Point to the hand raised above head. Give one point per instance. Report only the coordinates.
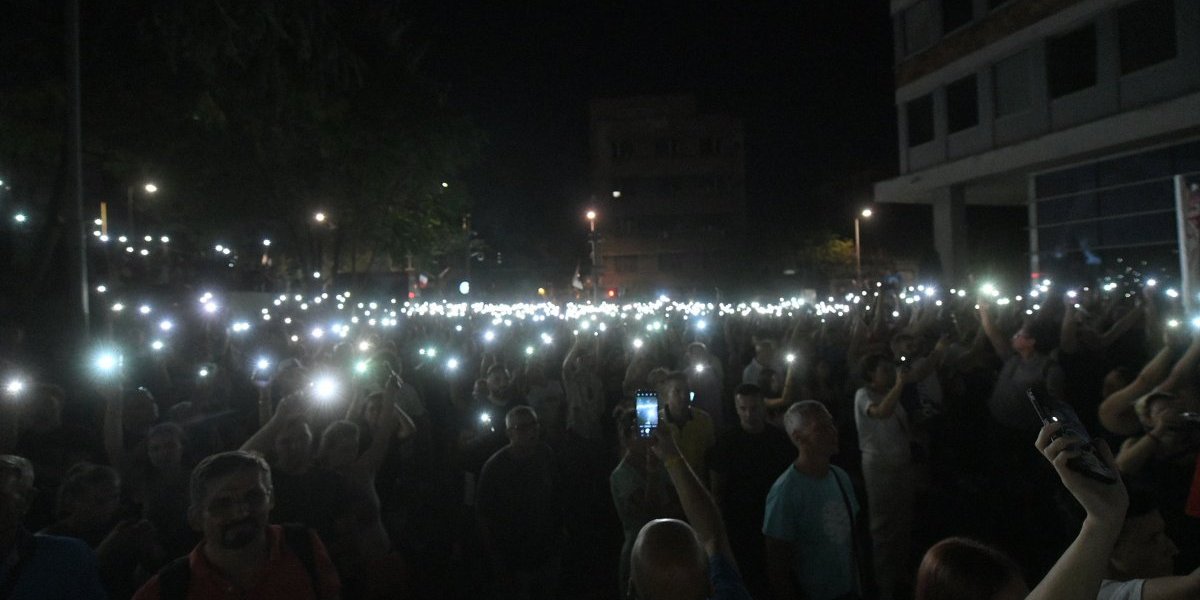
(1104, 502)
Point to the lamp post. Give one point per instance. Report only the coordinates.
(591, 217)
(865, 214)
(149, 188)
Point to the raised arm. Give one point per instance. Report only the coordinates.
(699, 507)
(999, 344)
(1068, 336)
(1079, 571)
(885, 408)
(1116, 412)
(1122, 326)
(290, 407)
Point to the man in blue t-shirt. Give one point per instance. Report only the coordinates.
(810, 514)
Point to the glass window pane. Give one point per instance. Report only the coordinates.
(1013, 93)
(1146, 34)
(956, 13)
(962, 104)
(919, 27)
(1071, 61)
(920, 121)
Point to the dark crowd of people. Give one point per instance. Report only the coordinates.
(883, 447)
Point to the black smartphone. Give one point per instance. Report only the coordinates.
(647, 412)
(1089, 462)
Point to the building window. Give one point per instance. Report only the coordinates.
(664, 147)
(622, 149)
(1146, 34)
(710, 146)
(962, 104)
(1071, 61)
(919, 27)
(920, 120)
(672, 261)
(956, 13)
(1013, 93)
(626, 264)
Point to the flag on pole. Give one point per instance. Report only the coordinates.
(576, 282)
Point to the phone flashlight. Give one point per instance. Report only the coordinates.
(431, 352)
(638, 343)
(489, 336)
(262, 364)
(360, 367)
(203, 372)
(452, 364)
(165, 325)
(107, 362)
(14, 387)
(324, 388)
(528, 350)
(790, 358)
(485, 420)
(700, 368)
(157, 345)
(364, 346)
(1173, 323)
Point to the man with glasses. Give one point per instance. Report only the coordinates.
(241, 556)
(520, 512)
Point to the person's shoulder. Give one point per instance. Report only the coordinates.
(1121, 590)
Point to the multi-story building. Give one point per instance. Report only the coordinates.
(670, 186)
(1078, 111)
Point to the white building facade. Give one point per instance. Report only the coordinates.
(1081, 111)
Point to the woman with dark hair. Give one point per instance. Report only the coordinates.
(963, 569)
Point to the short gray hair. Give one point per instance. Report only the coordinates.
(17, 465)
(518, 411)
(220, 465)
(797, 413)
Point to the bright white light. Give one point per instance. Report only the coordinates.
(1171, 293)
(790, 358)
(364, 345)
(591, 215)
(14, 386)
(262, 364)
(129, 249)
(144, 309)
(616, 193)
(148, 239)
(241, 326)
(144, 252)
(1151, 282)
(317, 333)
(489, 335)
(638, 343)
(989, 289)
(316, 274)
(210, 307)
(266, 243)
(164, 239)
(699, 368)
(107, 361)
(226, 251)
(360, 367)
(118, 307)
(96, 222)
(528, 350)
(1072, 294)
(20, 217)
(150, 188)
(431, 353)
(1196, 323)
(464, 287)
(325, 388)
(866, 213)
(701, 325)
(219, 248)
(452, 364)
(104, 238)
(445, 184)
(101, 289)
(165, 325)
(319, 217)
(203, 372)
(1173, 323)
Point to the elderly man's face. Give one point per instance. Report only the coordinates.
(235, 509)
(522, 431)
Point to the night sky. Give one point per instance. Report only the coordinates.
(811, 81)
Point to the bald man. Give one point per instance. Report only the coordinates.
(672, 560)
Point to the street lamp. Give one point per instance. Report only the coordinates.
(865, 214)
(149, 188)
(591, 217)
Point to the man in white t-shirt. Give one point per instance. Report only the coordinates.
(1142, 560)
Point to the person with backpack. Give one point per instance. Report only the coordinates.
(241, 555)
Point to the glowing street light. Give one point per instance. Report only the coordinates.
(864, 214)
(319, 217)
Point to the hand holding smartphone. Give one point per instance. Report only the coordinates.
(1088, 463)
(647, 412)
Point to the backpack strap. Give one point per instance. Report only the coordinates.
(174, 579)
(299, 541)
